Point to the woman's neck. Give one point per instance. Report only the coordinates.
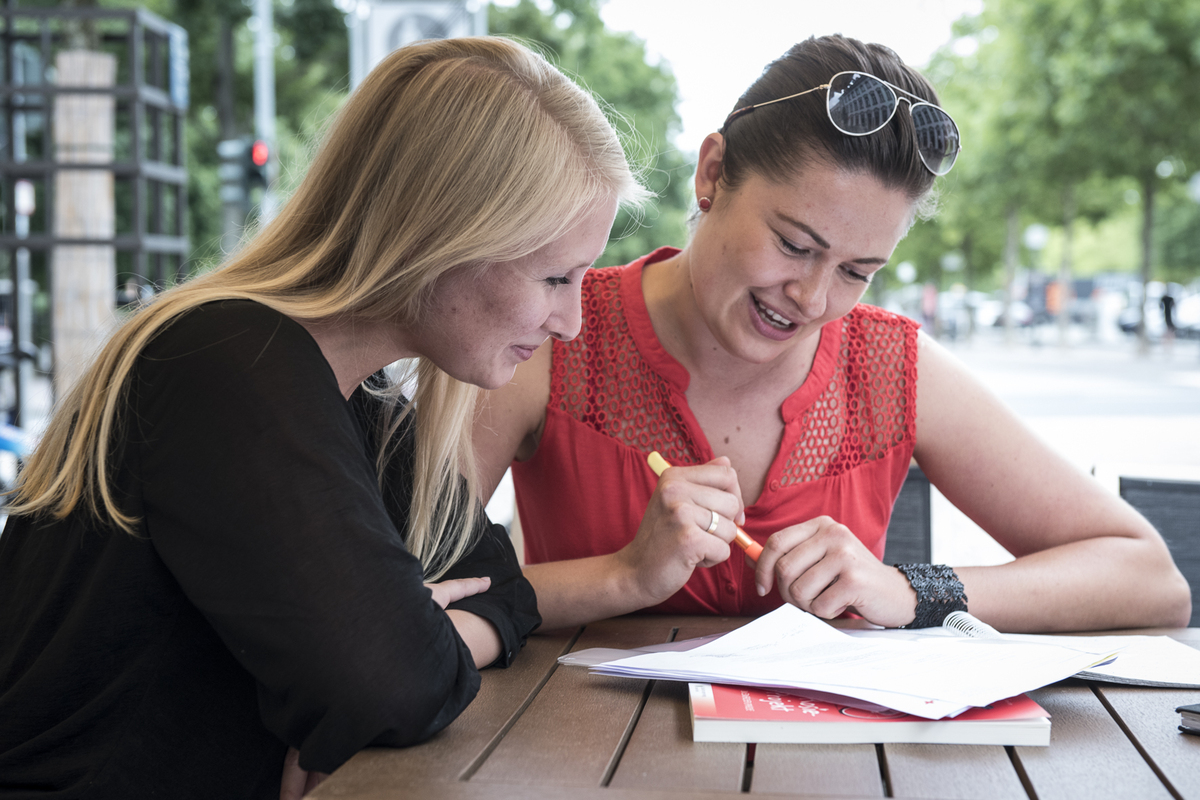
(356, 349)
(686, 336)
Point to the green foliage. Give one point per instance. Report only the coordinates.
(311, 79)
(1060, 100)
(641, 99)
(312, 66)
(311, 69)
(1177, 231)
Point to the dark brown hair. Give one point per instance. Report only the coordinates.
(778, 140)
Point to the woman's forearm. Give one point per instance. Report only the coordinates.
(1094, 584)
(480, 637)
(583, 590)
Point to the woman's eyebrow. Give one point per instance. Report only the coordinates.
(816, 237)
(795, 223)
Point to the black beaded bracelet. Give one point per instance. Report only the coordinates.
(939, 592)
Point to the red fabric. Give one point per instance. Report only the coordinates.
(616, 394)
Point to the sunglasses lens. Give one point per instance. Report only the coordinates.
(937, 137)
(859, 104)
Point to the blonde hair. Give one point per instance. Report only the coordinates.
(452, 154)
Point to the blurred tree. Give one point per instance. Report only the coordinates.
(641, 98)
(1121, 71)
(311, 68)
(982, 199)
(312, 79)
(1061, 102)
(1177, 232)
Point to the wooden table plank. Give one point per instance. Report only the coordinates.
(828, 770)
(448, 754)
(472, 790)
(797, 770)
(959, 771)
(542, 731)
(1149, 716)
(573, 731)
(1089, 755)
(662, 755)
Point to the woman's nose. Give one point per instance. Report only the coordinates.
(809, 291)
(566, 317)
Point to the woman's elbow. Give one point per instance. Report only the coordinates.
(1168, 594)
(1178, 602)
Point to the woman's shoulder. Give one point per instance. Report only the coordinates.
(234, 328)
(873, 329)
(869, 315)
(610, 279)
(231, 342)
(213, 319)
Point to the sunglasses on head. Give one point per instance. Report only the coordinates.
(859, 104)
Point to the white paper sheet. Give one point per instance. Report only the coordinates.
(1140, 661)
(932, 678)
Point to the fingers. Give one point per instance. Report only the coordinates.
(781, 544)
(708, 487)
(292, 784)
(296, 781)
(819, 566)
(315, 779)
(447, 592)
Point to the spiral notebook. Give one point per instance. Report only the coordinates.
(1155, 661)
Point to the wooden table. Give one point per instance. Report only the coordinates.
(538, 730)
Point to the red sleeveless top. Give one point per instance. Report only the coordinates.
(616, 394)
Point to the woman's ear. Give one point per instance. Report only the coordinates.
(708, 168)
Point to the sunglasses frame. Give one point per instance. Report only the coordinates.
(911, 99)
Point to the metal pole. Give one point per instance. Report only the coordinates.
(264, 98)
(357, 28)
(22, 308)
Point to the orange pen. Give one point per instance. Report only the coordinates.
(743, 540)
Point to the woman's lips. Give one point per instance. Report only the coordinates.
(769, 322)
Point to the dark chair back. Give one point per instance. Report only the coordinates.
(909, 537)
(1174, 508)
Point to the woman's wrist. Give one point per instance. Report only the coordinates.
(627, 584)
(939, 593)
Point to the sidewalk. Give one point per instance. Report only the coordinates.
(1098, 404)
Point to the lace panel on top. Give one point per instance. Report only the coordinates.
(869, 405)
(601, 379)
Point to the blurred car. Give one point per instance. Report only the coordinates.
(1128, 319)
(1187, 317)
(1022, 314)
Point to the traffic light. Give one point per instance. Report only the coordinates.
(257, 155)
(244, 168)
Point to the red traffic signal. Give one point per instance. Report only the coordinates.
(260, 153)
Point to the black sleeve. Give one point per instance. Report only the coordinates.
(259, 496)
(510, 603)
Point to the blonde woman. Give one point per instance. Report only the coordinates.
(235, 537)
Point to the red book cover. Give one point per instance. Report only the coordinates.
(746, 714)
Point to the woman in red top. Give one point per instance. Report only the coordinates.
(747, 357)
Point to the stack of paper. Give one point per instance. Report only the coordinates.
(934, 678)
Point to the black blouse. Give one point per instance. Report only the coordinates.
(267, 599)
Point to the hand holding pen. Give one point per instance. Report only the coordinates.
(677, 532)
(740, 537)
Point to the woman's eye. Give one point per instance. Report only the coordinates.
(560, 280)
(857, 276)
(791, 248)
